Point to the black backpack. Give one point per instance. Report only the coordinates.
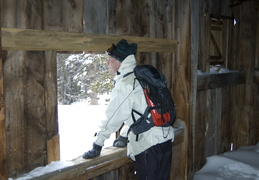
(160, 102)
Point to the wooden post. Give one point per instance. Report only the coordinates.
(3, 154)
(244, 60)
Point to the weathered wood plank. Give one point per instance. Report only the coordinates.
(127, 172)
(3, 146)
(110, 159)
(34, 139)
(14, 110)
(70, 19)
(93, 16)
(35, 40)
(256, 76)
(30, 84)
(242, 121)
(212, 81)
(182, 85)
(34, 119)
(14, 70)
(53, 149)
(194, 148)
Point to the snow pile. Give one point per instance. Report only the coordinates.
(53, 166)
(216, 70)
(233, 165)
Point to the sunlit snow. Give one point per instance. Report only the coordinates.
(77, 126)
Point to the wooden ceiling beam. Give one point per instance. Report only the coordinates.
(40, 40)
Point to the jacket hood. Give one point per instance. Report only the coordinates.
(127, 66)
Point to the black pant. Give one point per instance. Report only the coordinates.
(155, 162)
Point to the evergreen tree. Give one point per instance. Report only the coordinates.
(81, 77)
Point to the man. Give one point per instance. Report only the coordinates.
(152, 150)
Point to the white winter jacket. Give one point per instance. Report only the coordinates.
(124, 98)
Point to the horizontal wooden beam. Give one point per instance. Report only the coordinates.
(212, 81)
(110, 159)
(40, 40)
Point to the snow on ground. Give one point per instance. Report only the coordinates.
(242, 164)
(77, 126)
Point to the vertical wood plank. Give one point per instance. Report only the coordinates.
(34, 101)
(14, 103)
(194, 38)
(243, 111)
(227, 103)
(183, 83)
(256, 86)
(51, 105)
(71, 20)
(53, 147)
(31, 91)
(15, 95)
(127, 172)
(168, 67)
(95, 15)
(3, 147)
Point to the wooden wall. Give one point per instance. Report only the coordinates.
(245, 107)
(3, 140)
(30, 83)
(159, 19)
(215, 117)
(209, 123)
(227, 115)
(216, 110)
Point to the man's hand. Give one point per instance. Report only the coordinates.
(120, 141)
(96, 151)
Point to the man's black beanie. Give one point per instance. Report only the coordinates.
(122, 50)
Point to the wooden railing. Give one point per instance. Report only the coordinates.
(111, 158)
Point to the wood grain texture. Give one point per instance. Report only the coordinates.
(30, 83)
(53, 149)
(243, 109)
(213, 81)
(216, 109)
(36, 40)
(111, 158)
(3, 140)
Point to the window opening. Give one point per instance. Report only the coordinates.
(216, 42)
(220, 32)
(84, 86)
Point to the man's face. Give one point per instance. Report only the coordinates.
(113, 65)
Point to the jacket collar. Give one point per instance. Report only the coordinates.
(126, 66)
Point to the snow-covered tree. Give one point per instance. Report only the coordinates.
(82, 77)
